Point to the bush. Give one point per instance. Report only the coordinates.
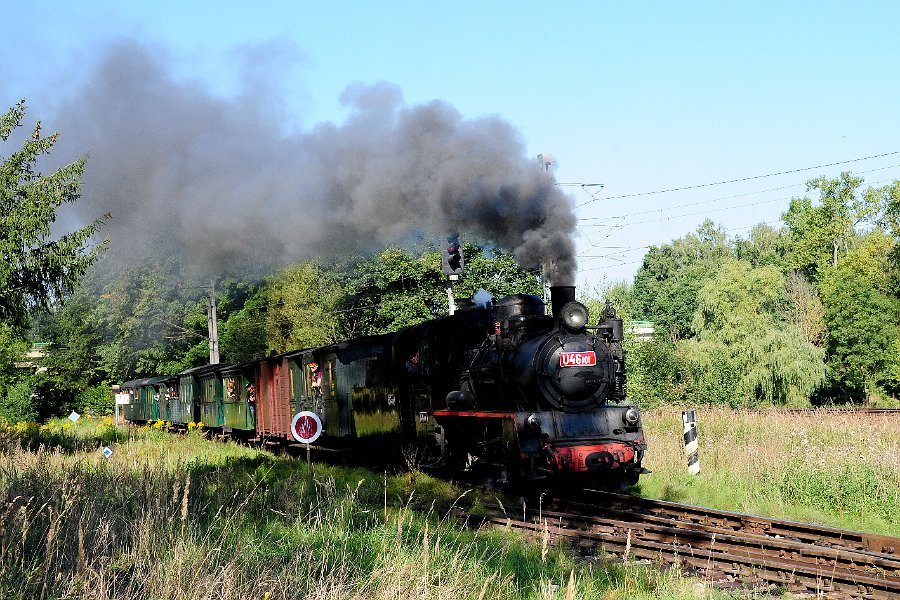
(16, 403)
(652, 373)
(97, 399)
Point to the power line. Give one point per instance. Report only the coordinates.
(751, 178)
(701, 202)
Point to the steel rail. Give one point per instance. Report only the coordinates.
(596, 502)
(715, 558)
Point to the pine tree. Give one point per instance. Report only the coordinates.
(38, 267)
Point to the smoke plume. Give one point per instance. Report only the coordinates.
(220, 182)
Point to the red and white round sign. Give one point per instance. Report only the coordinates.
(306, 427)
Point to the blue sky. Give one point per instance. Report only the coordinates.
(640, 97)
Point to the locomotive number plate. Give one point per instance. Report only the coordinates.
(577, 359)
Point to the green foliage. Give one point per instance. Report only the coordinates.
(148, 321)
(765, 246)
(654, 376)
(305, 301)
(242, 336)
(12, 350)
(15, 389)
(743, 341)
(96, 399)
(620, 295)
(38, 266)
(495, 271)
(862, 318)
(397, 288)
(805, 309)
(16, 403)
(153, 520)
(831, 467)
(820, 233)
(666, 285)
(849, 489)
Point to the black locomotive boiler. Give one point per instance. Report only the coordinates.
(534, 395)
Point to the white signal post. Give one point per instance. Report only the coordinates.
(450, 300)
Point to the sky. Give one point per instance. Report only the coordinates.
(658, 114)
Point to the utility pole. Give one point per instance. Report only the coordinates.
(213, 326)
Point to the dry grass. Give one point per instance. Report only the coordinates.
(831, 467)
(180, 517)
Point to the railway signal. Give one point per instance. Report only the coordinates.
(452, 259)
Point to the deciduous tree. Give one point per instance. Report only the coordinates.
(666, 285)
(862, 317)
(820, 233)
(741, 329)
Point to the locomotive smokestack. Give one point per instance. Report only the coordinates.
(560, 295)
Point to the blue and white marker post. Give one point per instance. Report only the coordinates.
(691, 446)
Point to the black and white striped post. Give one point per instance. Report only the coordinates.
(691, 446)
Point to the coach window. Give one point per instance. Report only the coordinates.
(331, 382)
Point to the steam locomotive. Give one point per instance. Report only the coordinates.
(504, 388)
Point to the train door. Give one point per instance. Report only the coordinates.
(414, 360)
(282, 384)
(236, 401)
(328, 383)
(188, 400)
(211, 404)
(422, 385)
(171, 392)
(265, 401)
(310, 379)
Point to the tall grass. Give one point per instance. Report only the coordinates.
(184, 518)
(836, 468)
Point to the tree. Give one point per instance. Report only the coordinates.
(764, 246)
(819, 233)
(666, 285)
(304, 307)
(242, 335)
(805, 310)
(861, 314)
(37, 267)
(398, 288)
(15, 390)
(742, 333)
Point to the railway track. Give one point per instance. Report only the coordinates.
(725, 549)
(832, 410)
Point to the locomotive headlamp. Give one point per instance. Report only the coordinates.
(631, 416)
(574, 315)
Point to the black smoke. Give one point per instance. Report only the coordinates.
(222, 183)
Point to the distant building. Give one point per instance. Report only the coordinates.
(642, 330)
(34, 357)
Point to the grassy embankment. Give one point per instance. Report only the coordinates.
(182, 517)
(839, 469)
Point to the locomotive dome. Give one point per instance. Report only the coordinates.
(519, 305)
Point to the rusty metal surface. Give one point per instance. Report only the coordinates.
(633, 508)
(724, 549)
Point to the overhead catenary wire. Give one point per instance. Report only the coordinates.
(738, 180)
(611, 228)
